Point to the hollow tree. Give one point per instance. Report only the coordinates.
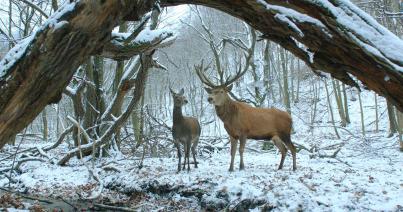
(331, 36)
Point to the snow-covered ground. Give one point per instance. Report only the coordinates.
(366, 175)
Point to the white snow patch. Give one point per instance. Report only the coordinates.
(294, 15)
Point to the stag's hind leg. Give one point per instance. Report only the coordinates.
(283, 150)
(291, 147)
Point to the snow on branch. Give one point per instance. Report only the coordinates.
(290, 16)
(22, 48)
(119, 48)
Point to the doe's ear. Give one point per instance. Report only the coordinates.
(229, 88)
(172, 92)
(182, 92)
(208, 90)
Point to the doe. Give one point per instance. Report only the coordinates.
(185, 130)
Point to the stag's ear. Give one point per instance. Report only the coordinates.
(182, 92)
(229, 88)
(208, 90)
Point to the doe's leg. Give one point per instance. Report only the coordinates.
(188, 153)
(177, 145)
(194, 146)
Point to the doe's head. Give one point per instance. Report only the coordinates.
(179, 98)
(218, 95)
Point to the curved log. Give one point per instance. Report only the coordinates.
(332, 36)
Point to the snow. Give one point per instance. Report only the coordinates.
(289, 16)
(372, 182)
(145, 36)
(14, 54)
(20, 49)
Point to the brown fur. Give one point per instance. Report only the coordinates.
(242, 121)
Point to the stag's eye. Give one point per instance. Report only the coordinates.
(221, 91)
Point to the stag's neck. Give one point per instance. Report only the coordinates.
(177, 115)
(226, 111)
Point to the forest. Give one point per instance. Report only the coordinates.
(201, 105)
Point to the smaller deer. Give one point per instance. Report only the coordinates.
(185, 130)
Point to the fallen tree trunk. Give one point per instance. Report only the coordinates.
(329, 35)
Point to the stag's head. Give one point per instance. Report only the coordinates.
(218, 94)
(179, 98)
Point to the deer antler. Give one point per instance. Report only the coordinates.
(239, 73)
(200, 70)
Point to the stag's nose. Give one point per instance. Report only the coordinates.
(186, 101)
(209, 99)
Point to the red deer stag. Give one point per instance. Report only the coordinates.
(242, 121)
(185, 130)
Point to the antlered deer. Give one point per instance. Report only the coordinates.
(185, 130)
(242, 121)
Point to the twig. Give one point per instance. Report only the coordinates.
(25, 196)
(114, 208)
(12, 165)
(306, 185)
(20, 162)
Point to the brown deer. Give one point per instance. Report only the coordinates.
(242, 121)
(185, 130)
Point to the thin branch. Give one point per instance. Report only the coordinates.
(35, 7)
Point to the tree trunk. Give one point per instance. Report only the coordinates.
(345, 104)
(45, 130)
(392, 119)
(286, 97)
(362, 114)
(331, 110)
(337, 95)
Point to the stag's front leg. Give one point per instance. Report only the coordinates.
(234, 143)
(179, 155)
(242, 142)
